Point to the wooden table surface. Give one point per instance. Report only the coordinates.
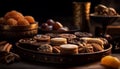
(27, 65)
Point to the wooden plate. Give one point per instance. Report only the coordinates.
(81, 58)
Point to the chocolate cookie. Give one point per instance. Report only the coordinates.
(42, 38)
(45, 48)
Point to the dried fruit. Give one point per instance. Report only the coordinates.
(110, 61)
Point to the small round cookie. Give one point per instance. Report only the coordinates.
(52, 35)
(45, 48)
(58, 41)
(27, 41)
(83, 34)
(42, 38)
(68, 36)
(69, 49)
(76, 41)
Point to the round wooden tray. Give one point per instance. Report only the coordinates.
(16, 32)
(81, 58)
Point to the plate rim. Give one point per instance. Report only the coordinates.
(32, 51)
(108, 16)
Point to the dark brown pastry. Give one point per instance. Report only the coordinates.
(68, 36)
(28, 43)
(42, 38)
(45, 48)
(52, 35)
(76, 41)
(83, 34)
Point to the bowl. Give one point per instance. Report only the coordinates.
(103, 19)
(58, 32)
(53, 58)
(8, 32)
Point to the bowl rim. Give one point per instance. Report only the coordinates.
(108, 16)
(19, 25)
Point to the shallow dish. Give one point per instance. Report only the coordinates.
(81, 58)
(55, 31)
(103, 19)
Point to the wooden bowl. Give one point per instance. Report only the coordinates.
(8, 32)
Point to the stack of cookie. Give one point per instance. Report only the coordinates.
(64, 43)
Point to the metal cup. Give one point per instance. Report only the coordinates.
(81, 12)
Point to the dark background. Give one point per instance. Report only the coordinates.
(39, 8)
(44, 9)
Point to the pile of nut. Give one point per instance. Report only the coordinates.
(104, 10)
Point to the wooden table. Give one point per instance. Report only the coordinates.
(27, 65)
